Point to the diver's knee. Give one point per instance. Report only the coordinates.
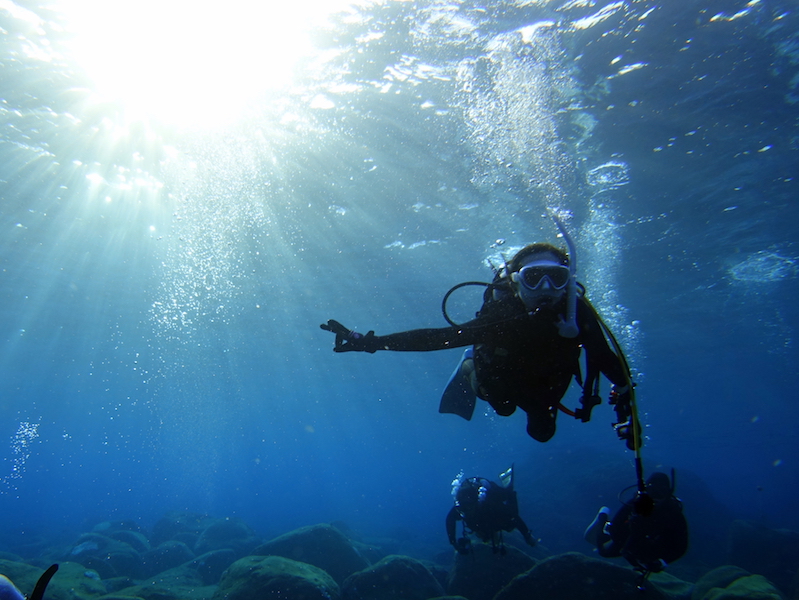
(504, 409)
(540, 429)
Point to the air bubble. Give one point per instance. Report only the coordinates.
(609, 176)
(764, 266)
(21, 443)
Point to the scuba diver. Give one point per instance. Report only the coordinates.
(8, 591)
(650, 531)
(486, 509)
(525, 346)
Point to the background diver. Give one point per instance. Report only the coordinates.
(486, 509)
(525, 346)
(649, 534)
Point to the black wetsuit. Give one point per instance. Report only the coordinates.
(497, 511)
(645, 541)
(520, 358)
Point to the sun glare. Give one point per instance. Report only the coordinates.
(189, 63)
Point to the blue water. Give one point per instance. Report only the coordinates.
(162, 289)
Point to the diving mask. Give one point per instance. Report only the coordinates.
(543, 275)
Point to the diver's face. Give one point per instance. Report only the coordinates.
(540, 292)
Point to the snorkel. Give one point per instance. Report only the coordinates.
(568, 328)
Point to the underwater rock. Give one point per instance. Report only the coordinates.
(370, 552)
(22, 575)
(73, 581)
(321, 545)
(117, 583)
(106, 527)
(149, 592)
(578, 577)
(188, 538)
(16, 546)
(11, 556)
(671, 586)
(182, 526)
(393, 578)
(70, 583)
(180, 583)
(720, 577)
(107, 556)
(751, 587)
(167, 555)
(211, 565)
(275, 577)
(440, 573)
(134, 539)
(231, 533)
(730, 582)
(773, 553)
(480, 574)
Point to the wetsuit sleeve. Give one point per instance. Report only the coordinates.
(424, 340)
(492, 324)
(480, 330)
(488, 327)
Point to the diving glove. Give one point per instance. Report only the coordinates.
(348, 340)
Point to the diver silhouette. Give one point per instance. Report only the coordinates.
(650, 531)
(486, 509)
(525, 346)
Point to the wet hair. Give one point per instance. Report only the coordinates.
(537, 248)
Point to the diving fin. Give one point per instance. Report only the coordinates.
(597, 526)
(459, 397)
(506, 478)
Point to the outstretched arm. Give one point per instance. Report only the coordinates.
(422, 340)
(415, 340)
